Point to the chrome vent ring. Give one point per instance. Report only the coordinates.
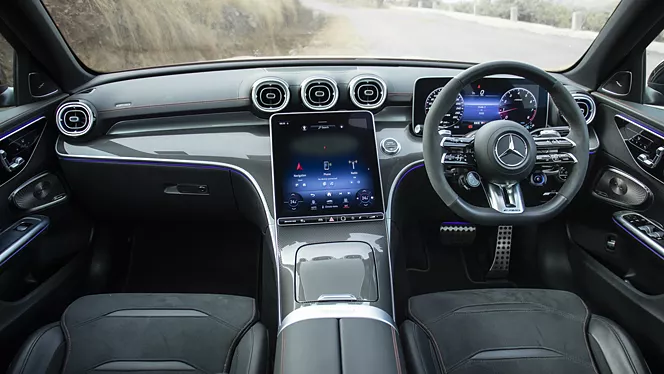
(75, 118)
(587, 106)
(367, 91)
(270, 95)
(319, 93)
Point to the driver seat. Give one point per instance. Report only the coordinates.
(513, 331)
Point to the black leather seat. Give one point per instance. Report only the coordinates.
(150, 333)
(513, 331)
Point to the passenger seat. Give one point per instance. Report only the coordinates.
(150, 333)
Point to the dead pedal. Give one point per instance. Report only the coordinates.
(500, 267)
(457, 234)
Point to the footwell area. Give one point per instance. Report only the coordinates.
(194, 258)
(434, 266)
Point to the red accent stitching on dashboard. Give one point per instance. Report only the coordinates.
(174, 104)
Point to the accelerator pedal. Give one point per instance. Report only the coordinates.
(457, 234)
(500, 267)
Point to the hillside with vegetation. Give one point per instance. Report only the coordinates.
(110, 35)
(6, 60)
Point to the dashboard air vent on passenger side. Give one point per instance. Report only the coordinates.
(367, 92)
(319, 93)
(270, 94)
(75, 118)
(587, 106)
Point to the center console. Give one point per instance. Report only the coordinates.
(335, 281)
(330, 212)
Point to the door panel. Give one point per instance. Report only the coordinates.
(43, 239)
(620, 275)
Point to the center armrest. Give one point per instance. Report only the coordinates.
(338, 345)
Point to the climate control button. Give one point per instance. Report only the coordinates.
(294, 201)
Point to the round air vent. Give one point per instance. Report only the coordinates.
(319, 93)
(367, 92)
(587, 106)
(75, 118)
(270, 94)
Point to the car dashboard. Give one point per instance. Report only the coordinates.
(222, 117)
(310, 154)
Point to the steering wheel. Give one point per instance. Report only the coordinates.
(504, 152)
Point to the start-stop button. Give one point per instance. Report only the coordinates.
(390, 146)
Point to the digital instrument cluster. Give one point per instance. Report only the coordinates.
(325, 167)
(486, 100)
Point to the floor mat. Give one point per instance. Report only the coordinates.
(447, 267)
(193, 258)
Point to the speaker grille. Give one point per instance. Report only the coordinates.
(621, 189)
(39, 192)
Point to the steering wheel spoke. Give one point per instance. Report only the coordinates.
(506, 199)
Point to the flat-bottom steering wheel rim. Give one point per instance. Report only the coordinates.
(433, 151)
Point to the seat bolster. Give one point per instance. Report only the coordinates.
(420, 355)
(43, 352)
(252, 353)
(614, 351)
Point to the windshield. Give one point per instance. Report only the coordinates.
(112, 35)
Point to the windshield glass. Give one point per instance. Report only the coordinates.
(112, 35)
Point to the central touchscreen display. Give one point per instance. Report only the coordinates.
(325, 165)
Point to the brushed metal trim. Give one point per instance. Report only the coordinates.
(336, 311)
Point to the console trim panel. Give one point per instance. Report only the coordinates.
(336, 311)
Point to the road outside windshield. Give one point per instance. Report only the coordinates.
(110, 35)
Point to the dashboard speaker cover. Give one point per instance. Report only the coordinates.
(621, 189)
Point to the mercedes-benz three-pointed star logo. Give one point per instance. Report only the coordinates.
(511, 150)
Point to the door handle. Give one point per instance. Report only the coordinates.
(10, 166)
(646, 161)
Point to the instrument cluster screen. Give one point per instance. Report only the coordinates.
(485, 100)
(325, 165)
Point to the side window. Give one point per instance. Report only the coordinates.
(6, 74)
